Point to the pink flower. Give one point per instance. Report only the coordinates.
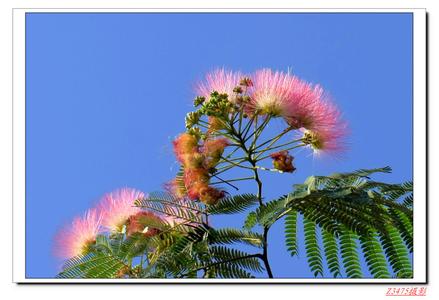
(135, 224)
(212, 150)
(326, 141)
(185, 147)
(221, 81)
(210, 195)
(303, 106)
(272, 93)
(74, 239)
(118, 206)
(311, 108)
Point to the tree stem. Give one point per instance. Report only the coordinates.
(265, 254)
(252, 159)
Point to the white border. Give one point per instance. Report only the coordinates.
(419, 144)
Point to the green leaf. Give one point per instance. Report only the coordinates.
(331, 252)
(224, 255)
(267, 214)
(396, 252)
(271, 211)
(233, 204)
(250, 221)
(169, 205)
(349, 254)
(405, 227)
(374, 256)
(231, 235)
(92, 265)
(291, 233)
(361, 173)
(313, 252)
(231, 271)
(133, 246)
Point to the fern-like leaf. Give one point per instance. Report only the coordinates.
(374, 256)
(160, 204)
(231, 235)
(313, 252)
(396, 252)
(250, 221)
(405, 227)
(291, 233)
(224, 255)
(349, 254)
(331, 252)
(230, 271)
(92, 265)
(233, 204)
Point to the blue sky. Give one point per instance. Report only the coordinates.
(107, 93)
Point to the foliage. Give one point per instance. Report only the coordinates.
(353, 214)
(345, 218)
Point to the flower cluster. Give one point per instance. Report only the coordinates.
(115, 213)
(302, 105)
(197, 161)
(283, 161)
(221, 81)
(134, 224)
(76, 238)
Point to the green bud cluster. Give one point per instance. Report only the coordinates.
(196, 132)
(192, 119)
(199, 100)
(217, 106)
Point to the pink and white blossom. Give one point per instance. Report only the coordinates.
(75, 238)
(118, 206)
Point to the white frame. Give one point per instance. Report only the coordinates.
(419, 150)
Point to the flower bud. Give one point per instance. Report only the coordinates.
(196, 132)
(136, 222)
(238, 90)
(282, 161)
(192, 119)
(246, 82)
(199, 100)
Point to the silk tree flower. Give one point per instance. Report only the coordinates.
(302, 105)
(271, 93)
(212, 150)
(135, 224)
(197, 160)
(118, 206)
(306, 105)
(195, 176)
(176, 188)
(195, 180)
(222, 81)
(210, 195)
(75, 238)
(320, 120)
(312, 108)
(185, 145)
(283, 161)
(197, 185)
(325, 141)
